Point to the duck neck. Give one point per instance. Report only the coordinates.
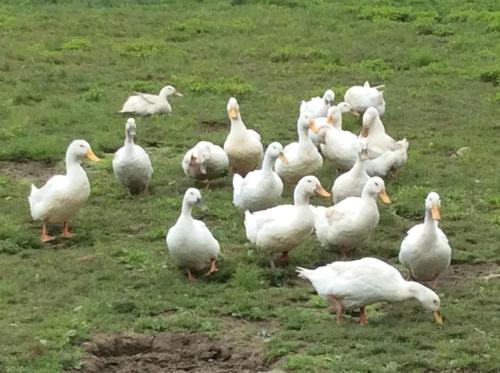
(337, 122)
(129, 140)
(358, 167)
(300, 198)
(237, 125)
(186, 210)
(268, 162)
(73, 166)
(413, 289)
(429, 224)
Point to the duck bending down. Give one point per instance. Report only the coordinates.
(145, 104)
(352, 220)
(355, 284)
(363, 97)
(378, 141)
(351, 183)
(242, 146)
(131, 164)
(282, 228)
(338, 145)
(303, 157)
(190, 243)
(62, 196)
(260, 189)
(318, 106)
(389, 161)
(205, 161)
(425, 250)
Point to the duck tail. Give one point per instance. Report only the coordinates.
(303, 273)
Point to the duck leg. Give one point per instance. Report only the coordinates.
(363, 320)
(213, 268)
(271, 262)
(44, 237)
(191, 278)
(339, 308)
(66, 233)
(434, 283)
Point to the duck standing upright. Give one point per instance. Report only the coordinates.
(425, 250)
(242, 146)
(145, 104)
(358, 283)
(282, 228)
(303, 157)
(352, 220)
(190, 242)
(63, 195)
(260, 189)
(131, 164)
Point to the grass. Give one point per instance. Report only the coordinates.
(66, 68)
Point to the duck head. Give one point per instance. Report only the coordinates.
(169, 91)
(193, 197)
(233, 109)
(429, 300)
(130, 127)
(433, 204)
(369, 117)
(328, 97)
(309, 186)
(275, 151)
(375, 186)
(79, 149)
(306, 121)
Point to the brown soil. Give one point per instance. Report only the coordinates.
(460, 274)
(38, 170)
(170, 352)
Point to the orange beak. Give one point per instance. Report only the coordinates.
(177, 93)
(438, 317)
(282, 158)
(384, 197)
(364, 132)
(330, 120)
(312, 126)
(321, 191)
(435, 212)
(233, 113)
(90, 155)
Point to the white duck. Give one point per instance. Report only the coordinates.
(425, 250)
(284, 227)
(350, 222)
(260, 189)
(336, 144)
(205, 161)
(351, 284)
(363, 97)
(131, 164)
(318, 106)
(146, 104)
(303, 157)
(351, 183)
(378, 141)
(63, 195)
(388, 161)
(243, 146)
(190, 242)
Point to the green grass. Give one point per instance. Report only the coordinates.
(67, 66)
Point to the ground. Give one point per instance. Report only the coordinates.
(67, 67)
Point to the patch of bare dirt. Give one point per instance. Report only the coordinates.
(29, 169)
(459, 274)
(170, 352)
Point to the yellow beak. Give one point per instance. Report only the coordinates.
(90, 155)
(384, 197)
(438, 317)
(177, 93)
(233, 113)
(282, 158)
(330, 120)
(312, 126)
(435, 213)
(364, 132)
(321, 191)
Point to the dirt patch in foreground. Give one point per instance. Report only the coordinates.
(459, 274)
(170, 352)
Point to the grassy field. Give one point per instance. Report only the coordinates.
(67, 66)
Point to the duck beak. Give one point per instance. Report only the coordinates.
(355, 113)
(177, 93)
(437, 317)
(321, 191)
(312, 126)
(203, 169)
(364, 156)
(364, 132)
(435, 212)
(384, 197)
(282, 158)
(90, 155)
(233, 113)
(330, 120)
